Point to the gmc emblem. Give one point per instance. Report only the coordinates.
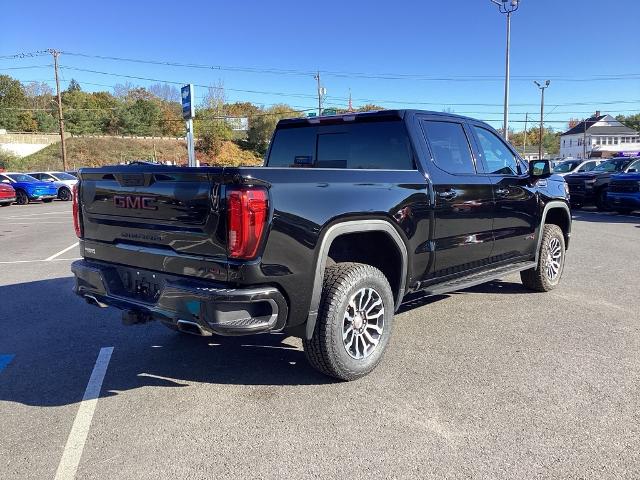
(134, 202)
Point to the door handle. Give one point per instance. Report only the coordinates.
(502, 192)
(448, 194)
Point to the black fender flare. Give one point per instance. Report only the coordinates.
(556, 204)
(352, 226)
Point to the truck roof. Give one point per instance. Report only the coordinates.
(364, 116)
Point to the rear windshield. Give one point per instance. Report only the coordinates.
(372, 145)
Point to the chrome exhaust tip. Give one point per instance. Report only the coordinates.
(91, 300)
(193, 328)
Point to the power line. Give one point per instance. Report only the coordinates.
(363, 75)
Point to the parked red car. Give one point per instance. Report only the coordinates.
(7, 195)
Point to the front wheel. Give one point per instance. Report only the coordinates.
(354, 321)
(21, 197)
(546, 275)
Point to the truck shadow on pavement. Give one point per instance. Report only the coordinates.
(55, 338)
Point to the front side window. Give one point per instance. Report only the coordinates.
(635, 166)
(449, 146)
(498, 157)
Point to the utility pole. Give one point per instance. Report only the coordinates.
(584, 141)
(56, 54)
(524, 140)
(542, 89)
(321, 91)
(507, 7)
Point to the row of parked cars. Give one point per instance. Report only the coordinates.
(22, 188)
(612, 184)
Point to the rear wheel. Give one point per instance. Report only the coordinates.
(21, 197)
(4, 204)
(354, 321)
(64, 194)
(546, 275)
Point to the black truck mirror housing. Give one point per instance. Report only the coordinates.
(539, 168)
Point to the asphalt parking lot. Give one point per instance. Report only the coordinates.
(490, 382)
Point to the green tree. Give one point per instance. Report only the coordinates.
(631, 121)
(262, 125)
(12, 99)
(74, 86)
(26, 122)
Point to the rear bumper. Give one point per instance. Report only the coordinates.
(211, 307)
(7, 199)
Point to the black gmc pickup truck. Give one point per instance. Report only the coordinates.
(348, 215)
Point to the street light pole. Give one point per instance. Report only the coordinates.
(542, 89)
(507, 7)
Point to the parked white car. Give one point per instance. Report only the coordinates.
(574, 166)
(63, 181)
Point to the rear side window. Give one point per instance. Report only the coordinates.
(449, 146)
(370, 145)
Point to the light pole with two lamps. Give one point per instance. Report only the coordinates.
(507, 7)
(542, 88)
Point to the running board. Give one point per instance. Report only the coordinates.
(474, 279)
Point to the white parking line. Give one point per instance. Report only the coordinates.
(41, 261)
(34, 223)
(75, 443)
(61, 252)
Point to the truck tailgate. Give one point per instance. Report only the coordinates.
(154, 216)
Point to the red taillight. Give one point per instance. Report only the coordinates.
(77, 223)
(247, 212)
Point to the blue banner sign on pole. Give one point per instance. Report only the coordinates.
(188, 108)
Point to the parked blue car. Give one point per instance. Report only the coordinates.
(624, 192)
(28, 188)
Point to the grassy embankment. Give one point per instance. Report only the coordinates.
(98, 151)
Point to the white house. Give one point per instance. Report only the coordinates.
(604, 137)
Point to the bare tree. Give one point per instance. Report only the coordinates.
(121, 90)
(165, 92)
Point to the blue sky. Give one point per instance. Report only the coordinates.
(569, 42)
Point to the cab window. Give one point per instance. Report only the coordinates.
(449, 146)
(499, 159)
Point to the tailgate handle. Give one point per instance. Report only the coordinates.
(131, 179)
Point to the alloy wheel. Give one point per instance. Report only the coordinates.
(554, 259)
(363, 323)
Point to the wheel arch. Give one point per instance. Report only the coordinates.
(557, 213)
(339, 230)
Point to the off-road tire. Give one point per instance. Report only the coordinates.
(537, 278)
(326, 351)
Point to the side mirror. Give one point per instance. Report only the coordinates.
(5, 181)
(539, 168)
